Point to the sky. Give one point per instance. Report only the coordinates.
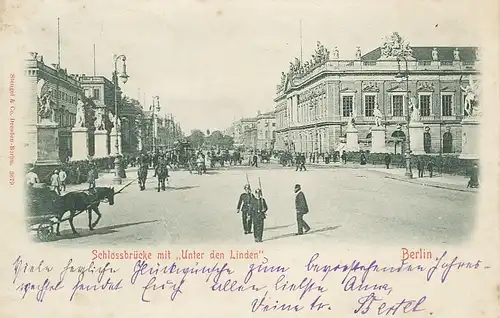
(212, 62)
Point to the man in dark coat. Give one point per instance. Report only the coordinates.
(259, 209)
(244, 205)
(474, 177)
(387, 160)
(430, 167)
(362, 158)
(420, 168)
(301, 208)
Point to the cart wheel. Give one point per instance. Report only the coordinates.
(45, 231)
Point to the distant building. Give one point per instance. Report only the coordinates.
(315, 100)
(266, 130)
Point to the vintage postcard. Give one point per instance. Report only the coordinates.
(213, 158)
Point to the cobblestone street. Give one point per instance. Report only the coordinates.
(347, 205)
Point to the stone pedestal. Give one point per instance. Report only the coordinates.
(101, 144)
(378, 140)
(417, 138)
(470, 140)
(352, 139)
(112, 144)
(80, 146)
(47, 149)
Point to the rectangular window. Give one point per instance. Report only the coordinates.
(347, 105)
(397, 105)
(425, 105)
(96, 93)
(369, 105)
(447, 105)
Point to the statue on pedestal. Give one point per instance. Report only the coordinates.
(471, 100)
(378, 116)
(46, 106)
(351, 123)
(115, 121)
(99, 122)
(415, 114)
(80, 114)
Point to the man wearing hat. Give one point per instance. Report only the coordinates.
(301, 208)
(259, 209)
(32, 177)
(244, 204)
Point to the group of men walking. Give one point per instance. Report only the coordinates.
(253, 210)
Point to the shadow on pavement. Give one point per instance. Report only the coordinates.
(278, 227)
(182, 188)
(68, 234)
(325, 229)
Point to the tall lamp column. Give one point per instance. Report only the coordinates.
(399, 77)
(124, 77)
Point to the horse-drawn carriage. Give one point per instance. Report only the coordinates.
(46, 208)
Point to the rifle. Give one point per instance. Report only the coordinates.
(260, 187)
(248, 181)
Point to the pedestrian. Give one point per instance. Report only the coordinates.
(387, 160)
(344, 157)
(420, 167)
(31, 177)
(55, 182)
(62, 177)
(430, 167)
(298, 162)
(78, 174)
(301, 208)
(259, 209)
(91, 176)
(362, 158)
(474, 177)
(254, 159)
(244, 205)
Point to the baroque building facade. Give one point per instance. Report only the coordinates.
(315, 100)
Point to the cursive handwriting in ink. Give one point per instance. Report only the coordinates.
(356, 284)
(264, 268)
(22, 267)
(405, 305)
(168, 284)
(306, 285)
(41, 289)
(90, 268)
(263, 304)
(108, 285)
(221, 284)
(448, 266)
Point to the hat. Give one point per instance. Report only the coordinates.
(258, 191)
(247, 186)
(297, 186)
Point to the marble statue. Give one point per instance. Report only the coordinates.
(46, 106)
(358, 53)
(80, 114)
(456, 55)
(378, 116)
(335, 53)
(395, 46)
(351, 123)
(471, 100)
(415, 114)
(434, 54)
(99, 122)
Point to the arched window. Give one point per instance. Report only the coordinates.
(447, 142)
(427, 142)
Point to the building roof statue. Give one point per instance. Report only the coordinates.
(336, 53)
(435, 55)
(395, 46)
(456, 55)
(358, 53)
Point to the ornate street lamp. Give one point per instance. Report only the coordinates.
(156, 107)
(399, 78)
(124, 77)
